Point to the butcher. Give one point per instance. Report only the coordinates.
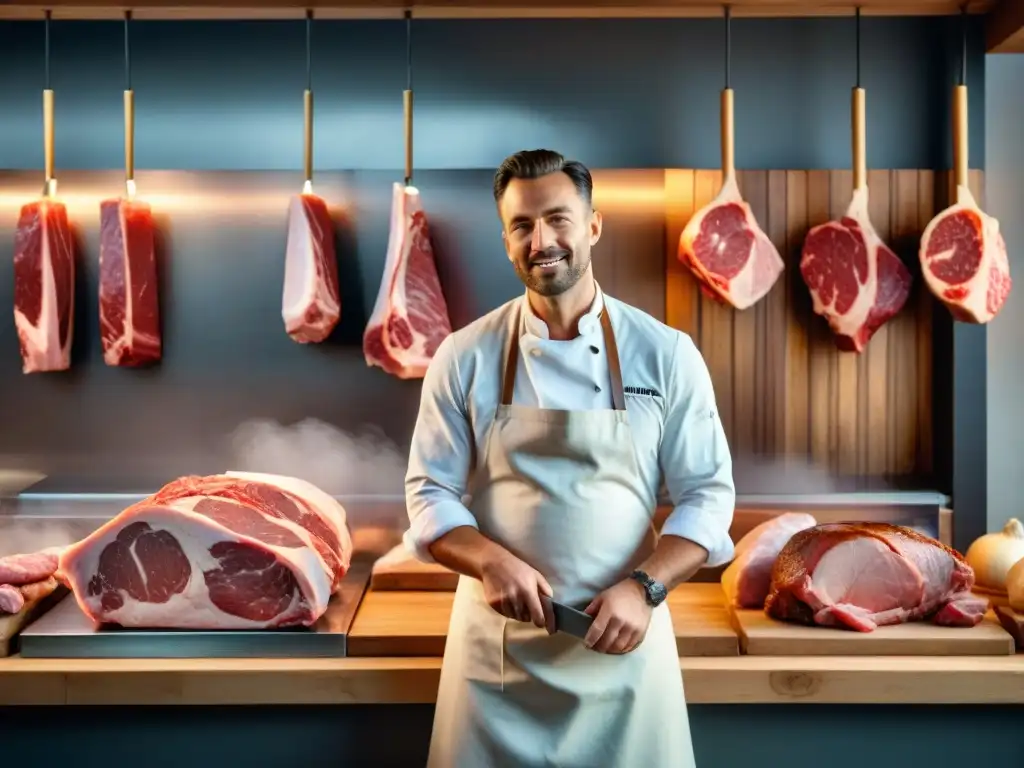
(546, 429)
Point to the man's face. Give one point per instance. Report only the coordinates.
(548, 232)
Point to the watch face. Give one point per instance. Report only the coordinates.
(658, 593)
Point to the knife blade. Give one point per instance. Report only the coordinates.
(568, 619)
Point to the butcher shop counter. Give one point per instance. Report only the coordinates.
(398, 636)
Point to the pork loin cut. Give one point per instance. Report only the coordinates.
(129, 301)
(748, 577)
(864, 575)
(856, 282)
(731, 257)
(311, 301)
(44, 286)
(964, 260)
(217, 552)
(410, 318)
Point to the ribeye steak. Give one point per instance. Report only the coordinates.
(233, 551)
(410, 318)
(44, 286)
(129, 300)
(856, 282)
(748, 577)
(964, 261)
(731, 257)
(864, 575)
(311, 300)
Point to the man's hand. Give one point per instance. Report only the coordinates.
(513, 589)
(621, 617)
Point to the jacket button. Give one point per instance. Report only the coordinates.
(597, 388)
(594, 349)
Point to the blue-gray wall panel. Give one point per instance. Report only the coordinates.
(616, 93)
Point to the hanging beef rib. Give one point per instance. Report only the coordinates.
(731, 257)
(964, 261)
(856, 282)
(311, 301)
(410, 318)
(234, 551)
(864, 575)
(44, 286)
(129, 303)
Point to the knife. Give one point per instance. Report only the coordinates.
(568, 619)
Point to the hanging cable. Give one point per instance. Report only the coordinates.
(963, 50)
(46, 51)
(309, 50)
(858, 46)
(728, 47)
(127, 53)
(409, 50)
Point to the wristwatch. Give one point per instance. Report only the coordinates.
(654, 590)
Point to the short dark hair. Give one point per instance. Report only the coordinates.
(534, 163)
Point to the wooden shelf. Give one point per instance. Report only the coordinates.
(708, 680)
(284, 9)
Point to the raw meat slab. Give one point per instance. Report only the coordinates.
(761, 635)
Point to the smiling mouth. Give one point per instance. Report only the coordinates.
(548, 262)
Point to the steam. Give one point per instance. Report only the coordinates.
(23, 536)
(339, 463)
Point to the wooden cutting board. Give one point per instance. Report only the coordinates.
(400, 571)
(12, 623)
(415, 623)
(1013, 622)
(764, 636)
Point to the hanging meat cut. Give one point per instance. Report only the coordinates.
(727, 251)
(964, 261)
(410, 318)
(129, 301)
(233, 551)
(748, 577)
(856, 282)
(44, 286)
(864, 575)
(311, 301)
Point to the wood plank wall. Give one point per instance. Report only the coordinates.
(784, 389)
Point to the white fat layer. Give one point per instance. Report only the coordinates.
(191, 609)
(326, 506)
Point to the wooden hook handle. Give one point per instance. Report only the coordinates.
(307, 108)
(960, 135)
(48, 133)
(129, 135)
(860, 153)
(407, 104)
(728, 135)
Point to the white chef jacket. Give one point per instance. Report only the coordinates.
(678, 437)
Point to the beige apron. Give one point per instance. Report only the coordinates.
(561, 490)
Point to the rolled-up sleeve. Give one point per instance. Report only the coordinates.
(695, 459)
(439, 458)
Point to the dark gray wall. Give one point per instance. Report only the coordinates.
(1004, 191)
(228, 96)
(774, 736)
(614, 93)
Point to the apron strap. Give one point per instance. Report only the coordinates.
(614, 369)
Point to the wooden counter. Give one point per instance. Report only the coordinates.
(708, 680)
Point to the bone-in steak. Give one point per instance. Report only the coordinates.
(44, 286)
(856, 282)
(231, 551)
(410, 318)
(129, 300)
